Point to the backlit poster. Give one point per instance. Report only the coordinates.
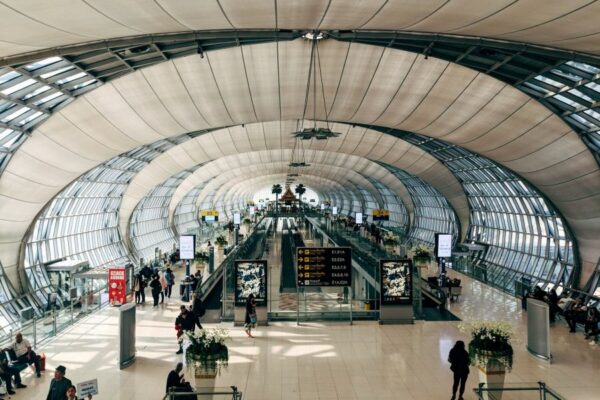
(396, 282)
(334, 210)
(251, 277)
(237, 218)
(117, 287)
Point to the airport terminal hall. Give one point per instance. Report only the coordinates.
(300, 199)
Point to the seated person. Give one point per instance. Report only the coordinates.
(575, 314)
(7, 373)
(176, 382)
(24, 354)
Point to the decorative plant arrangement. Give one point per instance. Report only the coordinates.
(390, 240)
(207, 351)
(247, 221)
(422, 251)
(489, 340)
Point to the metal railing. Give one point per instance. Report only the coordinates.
(230, 393)
(520, 391)
(41, 328)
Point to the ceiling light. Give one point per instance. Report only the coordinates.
(315, 133)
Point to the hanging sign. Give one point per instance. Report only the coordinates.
(237, 218)
(117, 287)
(209, 215)
(381, 215)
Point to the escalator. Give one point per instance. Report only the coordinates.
(368, 255)
(253, 247)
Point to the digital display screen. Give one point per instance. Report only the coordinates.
(187, 247)
(443, 245)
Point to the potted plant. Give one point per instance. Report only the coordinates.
(490, 350)
(221, 241)
(206, 351)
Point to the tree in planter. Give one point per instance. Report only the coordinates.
(276, 190)
(300, 189)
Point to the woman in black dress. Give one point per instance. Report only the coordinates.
(250, 320)
(459, 364)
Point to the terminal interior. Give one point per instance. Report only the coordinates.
(372, 130)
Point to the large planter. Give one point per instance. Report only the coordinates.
(492, 368)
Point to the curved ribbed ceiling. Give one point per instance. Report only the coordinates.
(260, 91)
(31, 25)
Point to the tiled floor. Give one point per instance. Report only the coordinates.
(319, 360)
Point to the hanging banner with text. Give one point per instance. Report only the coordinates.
(117, 287)
(324, 266)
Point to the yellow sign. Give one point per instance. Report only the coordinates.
(381, 215)
(209, 213)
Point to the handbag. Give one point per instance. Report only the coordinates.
(253, 319)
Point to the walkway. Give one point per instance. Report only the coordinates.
(318, 360)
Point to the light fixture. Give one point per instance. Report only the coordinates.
(315, 132)
(314, 35)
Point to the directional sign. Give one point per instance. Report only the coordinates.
(324, 266)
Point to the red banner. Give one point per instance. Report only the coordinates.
(117, 288)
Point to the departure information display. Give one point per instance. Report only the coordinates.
(324, 266)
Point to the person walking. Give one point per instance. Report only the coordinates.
(198, 309)
(59, 385)
(170, 277)
(163, 287)
(459, 364)
(250, 319)
(156, 288)
(137, 284)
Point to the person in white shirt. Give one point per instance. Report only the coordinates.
(25, 354)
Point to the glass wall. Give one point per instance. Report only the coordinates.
(526, 239)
